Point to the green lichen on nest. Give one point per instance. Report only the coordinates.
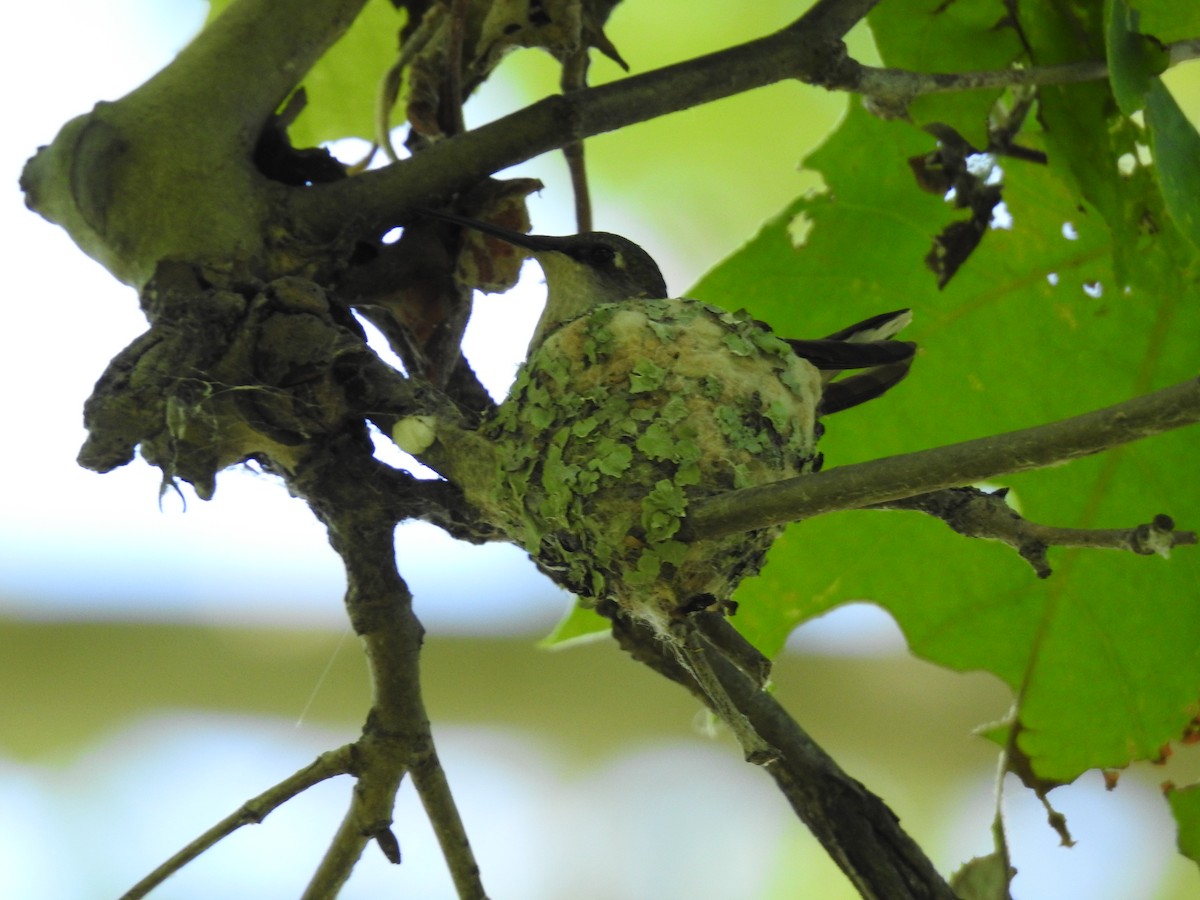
(623, 416)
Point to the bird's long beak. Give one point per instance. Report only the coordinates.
(535, 243)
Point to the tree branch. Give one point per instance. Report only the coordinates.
(166, 172)
(833, 18)
(360, 500)
(380, 764)
(252, 812)
(245, 63)
(809, 50)
(346, 488)
(979, 514)
(856, 828)
(895, 88)
(434, 790)
(896, 477)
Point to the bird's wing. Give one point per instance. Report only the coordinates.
(863, 345)
(860, 388)
(876, 328)
(828, 354)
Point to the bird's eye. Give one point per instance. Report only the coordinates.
(601, 255)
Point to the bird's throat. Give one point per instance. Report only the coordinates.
(569, 294)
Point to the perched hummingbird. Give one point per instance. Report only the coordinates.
(631, 404)
(594, 268)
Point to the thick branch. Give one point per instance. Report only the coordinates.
(896, 477)
(833, 18)
(809, 50)
(240, 69)
(166, 172)
(346, 487)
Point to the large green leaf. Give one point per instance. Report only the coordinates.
(1176, 149)
(1134, 63)
(1168, 20)
(969, 35)
(1105, 655)
(1133, 60)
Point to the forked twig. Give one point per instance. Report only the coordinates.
(326, 766)
(979, 514)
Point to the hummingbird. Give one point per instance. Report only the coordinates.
(597, 267)
(631, 404)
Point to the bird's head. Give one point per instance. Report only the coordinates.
(582, 270)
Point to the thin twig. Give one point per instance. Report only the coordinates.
(899, 87)
(808, 50)
(339, 860)
(980, 514)
(326, 766)
(454, 67)
(429, 778)
(574, 78)
(389, 85)
(896, 477)
(858, 830)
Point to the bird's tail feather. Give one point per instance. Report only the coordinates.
(864, 345)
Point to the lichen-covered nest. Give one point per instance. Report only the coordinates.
(618, 420)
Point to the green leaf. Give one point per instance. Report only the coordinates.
(983, 878)
(1133, 60)
(1185, 806)
(580, 625)
(662, 509)
(969, 35)
(1106, 653)
(612, 458)
(342, 86)
(1134, 64)
(657, 441)
(1176, 149)
(1168, 20)
(1085, 134)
